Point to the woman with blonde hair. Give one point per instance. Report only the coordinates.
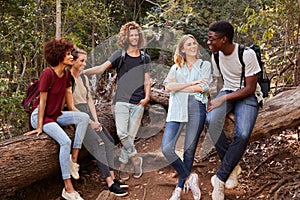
(188, 83)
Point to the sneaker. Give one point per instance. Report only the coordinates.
(71, 196)
(176, 194)
(74, 169)
(121, 185)
(124, 176)
(218, 192)
(232, 181)
(116, 190)
(138, 170)
(192, 183)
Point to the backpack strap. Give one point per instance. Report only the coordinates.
(122, 60)
(240, 53)
(52, 78)
(123, 56)
(216, 57)
(85, 85)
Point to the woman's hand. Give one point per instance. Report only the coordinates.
(96, 126)
(38, 131)
(199, 81)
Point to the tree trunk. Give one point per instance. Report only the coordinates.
(28, 159)
(58, 19)
(297, 70)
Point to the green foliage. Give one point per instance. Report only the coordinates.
(274, 26)
(92, 25)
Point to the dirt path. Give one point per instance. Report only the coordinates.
(271, 170)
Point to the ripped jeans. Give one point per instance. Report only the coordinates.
(54, 130)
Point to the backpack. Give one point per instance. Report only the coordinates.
(263, 80)
(122, 60)
(32, 94)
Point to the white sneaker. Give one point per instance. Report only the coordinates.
(176, 194)
(232, 181)
(71, 196)
(192, 183)
(218, 192)
(74, 169)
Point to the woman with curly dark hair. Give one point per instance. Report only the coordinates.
(48, 117)
(133, 91)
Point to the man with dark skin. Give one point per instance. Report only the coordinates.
(236, 97)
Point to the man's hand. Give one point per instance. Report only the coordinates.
(144, 102)
(216, 103)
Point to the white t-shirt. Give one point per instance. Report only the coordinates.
(231, 68)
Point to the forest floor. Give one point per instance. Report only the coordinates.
(271, 170)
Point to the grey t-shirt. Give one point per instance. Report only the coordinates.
(130, 76)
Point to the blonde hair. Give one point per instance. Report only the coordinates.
(179, 56)
(124, 35)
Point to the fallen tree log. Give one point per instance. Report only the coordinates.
(278, 113)
(28, 159)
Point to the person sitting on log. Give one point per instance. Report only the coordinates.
(48, 117)
(98, 140)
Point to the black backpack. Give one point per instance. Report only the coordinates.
(263, 80)
(122, 59)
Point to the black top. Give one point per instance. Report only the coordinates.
(130, 76)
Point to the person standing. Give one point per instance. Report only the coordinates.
(188, 83)
(133, 68)
(55, 88)
(96, 134)
(236, 97)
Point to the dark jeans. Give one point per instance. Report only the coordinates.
(230, 153)
(194, 127)
(100, 144)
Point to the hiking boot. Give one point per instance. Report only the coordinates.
(218, 192)
(124, 176)
(138, 170)
(192, 183)
(121, 185)
(71, 196)
(232, 181)
(116, 190)
(176, 194)
(74, 169)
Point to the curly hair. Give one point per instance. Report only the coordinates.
(55, 50)
(179, 56)
(124, 35)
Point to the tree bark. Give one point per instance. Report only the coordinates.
(28, 159)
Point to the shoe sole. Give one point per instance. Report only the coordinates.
(124, 186)
(228, 186)
(119, 195)
(141, 168)
(125, 179)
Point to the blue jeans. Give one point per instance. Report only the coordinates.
(128, 119)
(194, 127)
(230, 152)
(100, 144)
(54, 130)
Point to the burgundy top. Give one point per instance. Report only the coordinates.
(56, 92)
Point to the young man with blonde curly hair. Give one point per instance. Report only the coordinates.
(133, 91)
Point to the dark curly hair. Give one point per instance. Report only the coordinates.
(124, 34)
(222, 28)
(55, 50)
